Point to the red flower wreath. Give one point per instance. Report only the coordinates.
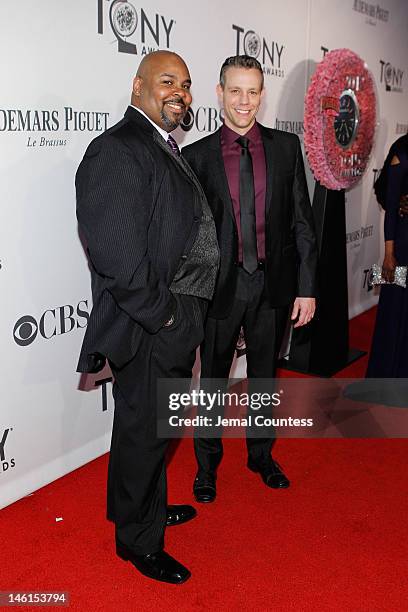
(341, 72)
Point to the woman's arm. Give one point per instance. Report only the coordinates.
(394, 183)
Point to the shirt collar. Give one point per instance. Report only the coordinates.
(162, 132)
(228, 136)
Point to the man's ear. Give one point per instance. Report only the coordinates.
(137, 85)
(219, 91)
(262, 93)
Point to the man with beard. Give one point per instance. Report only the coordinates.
(153, 254)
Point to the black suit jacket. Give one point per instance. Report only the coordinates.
(138, 209)
(291, 252)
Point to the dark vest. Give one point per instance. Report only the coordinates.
(198, 269)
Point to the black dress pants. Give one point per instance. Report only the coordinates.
(137, 493)
(264, 328)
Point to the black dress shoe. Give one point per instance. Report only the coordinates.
(179, 514)
(271, 474)
(159, 566)
(204, 489)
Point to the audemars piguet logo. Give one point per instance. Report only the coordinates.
(401, 128)
(355, 237)
(267, 51)
(48, 127)
(138, 30)
(373, 12)
(289, 125)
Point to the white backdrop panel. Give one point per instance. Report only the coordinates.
(64, 79)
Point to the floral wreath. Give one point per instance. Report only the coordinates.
(333, 165)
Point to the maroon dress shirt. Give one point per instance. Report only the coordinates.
(231, 152)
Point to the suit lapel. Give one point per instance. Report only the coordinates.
(179, 161)
(137, 118)
(271, 161)
(220, 176)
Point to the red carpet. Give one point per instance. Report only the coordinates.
(336, 540)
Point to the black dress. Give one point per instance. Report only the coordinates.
(389, 351)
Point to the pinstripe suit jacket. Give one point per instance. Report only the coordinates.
(138, 209)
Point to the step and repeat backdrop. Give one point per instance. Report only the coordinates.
(66, 76)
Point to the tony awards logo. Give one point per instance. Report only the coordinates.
(267, 52)
(137, 31)
(6, 462)
(391, 77)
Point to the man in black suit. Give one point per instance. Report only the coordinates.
(254, 180)
(153, 254)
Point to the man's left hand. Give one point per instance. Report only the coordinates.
(303, 310)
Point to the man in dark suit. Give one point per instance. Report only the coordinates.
(153, 254)
(254, 180)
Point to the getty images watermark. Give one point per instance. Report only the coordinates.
(216, 402)
(289, 407)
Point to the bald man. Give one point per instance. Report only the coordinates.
(153, 254)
